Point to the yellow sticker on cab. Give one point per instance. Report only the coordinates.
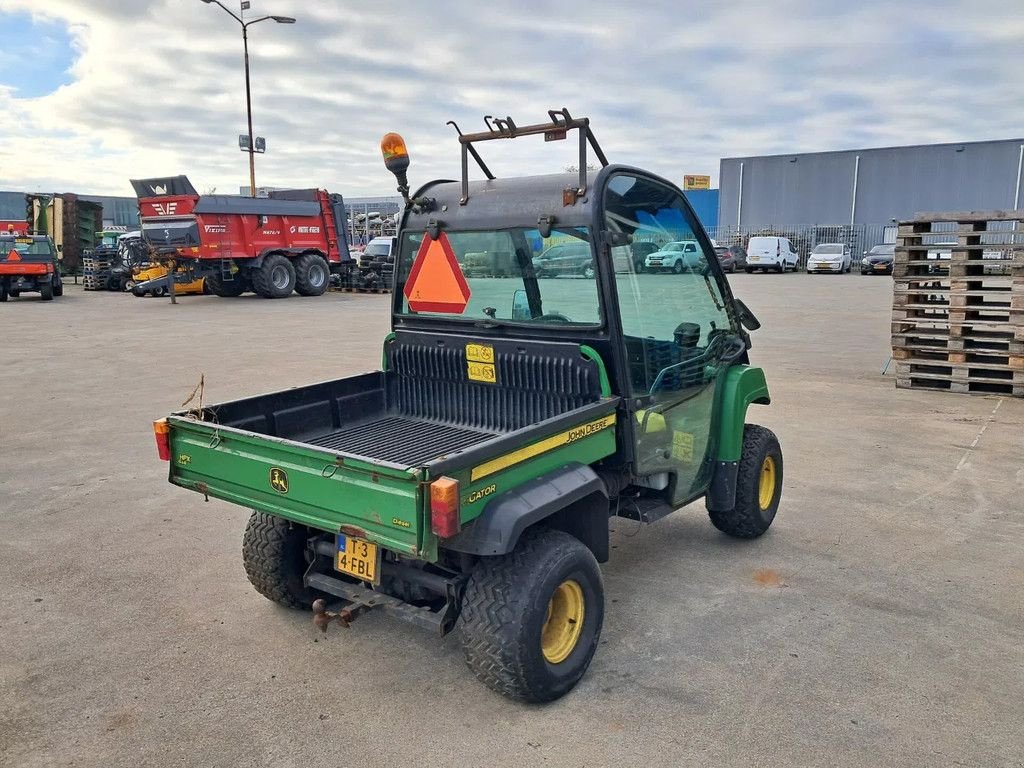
(480, 353)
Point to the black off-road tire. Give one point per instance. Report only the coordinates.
(274, 555)
(263, 278)
(312, 275)
(749, 270)
(3, 292)
(747, 520)
(46, 291)
(504, 609)
(58, 288)
(226, 288)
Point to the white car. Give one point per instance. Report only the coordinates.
(677, 256)
(829, 257)
(770, 252)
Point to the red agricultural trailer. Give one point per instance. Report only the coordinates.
(291, 241)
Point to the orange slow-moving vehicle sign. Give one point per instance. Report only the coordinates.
(436, 282)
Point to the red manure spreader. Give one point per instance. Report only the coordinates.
(292, 240)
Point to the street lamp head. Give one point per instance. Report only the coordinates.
(278, 19)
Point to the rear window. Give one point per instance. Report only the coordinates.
(26, 247)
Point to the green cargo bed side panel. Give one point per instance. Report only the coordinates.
(298, 483)
(741, 386)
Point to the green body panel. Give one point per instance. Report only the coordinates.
(591, 354)
(740, 386)
(322, 492)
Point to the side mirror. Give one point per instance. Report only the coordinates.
(746, 317)
(521, 306)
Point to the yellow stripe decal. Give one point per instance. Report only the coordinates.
(545, 445)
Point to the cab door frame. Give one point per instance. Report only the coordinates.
(619, 365)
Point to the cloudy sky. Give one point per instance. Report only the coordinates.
(93, 92)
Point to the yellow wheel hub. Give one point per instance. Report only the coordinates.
(766, 485)
(564, 623)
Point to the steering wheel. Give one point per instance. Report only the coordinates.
(553, 317)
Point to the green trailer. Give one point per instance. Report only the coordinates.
(468, 484)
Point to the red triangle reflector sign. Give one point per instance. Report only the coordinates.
(436, 282)
(13, 256)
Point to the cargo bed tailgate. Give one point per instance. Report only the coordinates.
(303, 483)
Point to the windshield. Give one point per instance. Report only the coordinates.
(827, 249)
(673, 247)
(510, 275)
(377, 249)
(883, 250)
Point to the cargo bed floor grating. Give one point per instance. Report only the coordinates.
(401, 440)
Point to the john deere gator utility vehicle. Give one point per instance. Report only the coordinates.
(468, 484)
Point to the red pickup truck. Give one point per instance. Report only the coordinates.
(290, 241)
(29, 263)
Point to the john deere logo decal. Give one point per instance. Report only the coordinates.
(279, 480)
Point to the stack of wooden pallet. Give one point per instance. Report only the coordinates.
(95, 272)
(958, 303)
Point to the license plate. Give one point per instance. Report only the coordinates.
(880, 267)
(755, 258)
(357, 557)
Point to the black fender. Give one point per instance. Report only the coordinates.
(571, 499)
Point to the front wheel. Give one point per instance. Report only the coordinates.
(531, 620)
(275, 279)
(677, 268)
(758, 486)
(588, 271)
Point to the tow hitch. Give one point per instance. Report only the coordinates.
(345, 613)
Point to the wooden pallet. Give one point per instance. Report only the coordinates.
(965, 377)
(958, 321)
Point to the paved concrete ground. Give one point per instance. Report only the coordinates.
(879, 623)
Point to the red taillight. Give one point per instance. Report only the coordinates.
(162, 431)
(444, 507)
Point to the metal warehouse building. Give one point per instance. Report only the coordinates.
(868, 187)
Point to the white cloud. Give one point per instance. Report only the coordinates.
(157, 87)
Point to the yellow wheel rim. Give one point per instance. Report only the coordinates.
(766, 485)
(564, 623)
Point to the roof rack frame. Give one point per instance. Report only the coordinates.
(556, 130)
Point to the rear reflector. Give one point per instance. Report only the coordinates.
(162, 431)
(444, 507)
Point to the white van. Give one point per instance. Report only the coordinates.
(775, 253)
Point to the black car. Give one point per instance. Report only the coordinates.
(569, 258)
(641, 250)
(879, 260)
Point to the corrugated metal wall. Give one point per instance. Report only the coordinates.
(892, 183)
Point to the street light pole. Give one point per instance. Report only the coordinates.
(248, 112)
(248, 91)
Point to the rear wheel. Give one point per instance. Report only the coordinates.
(46, 291)
(226, 288)
(58, 287)
(531, 620)
(3, 292)
(749, 270)
(274, 556)
(758, 486)
(311, 275)
(275, 279)
(588, 271)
